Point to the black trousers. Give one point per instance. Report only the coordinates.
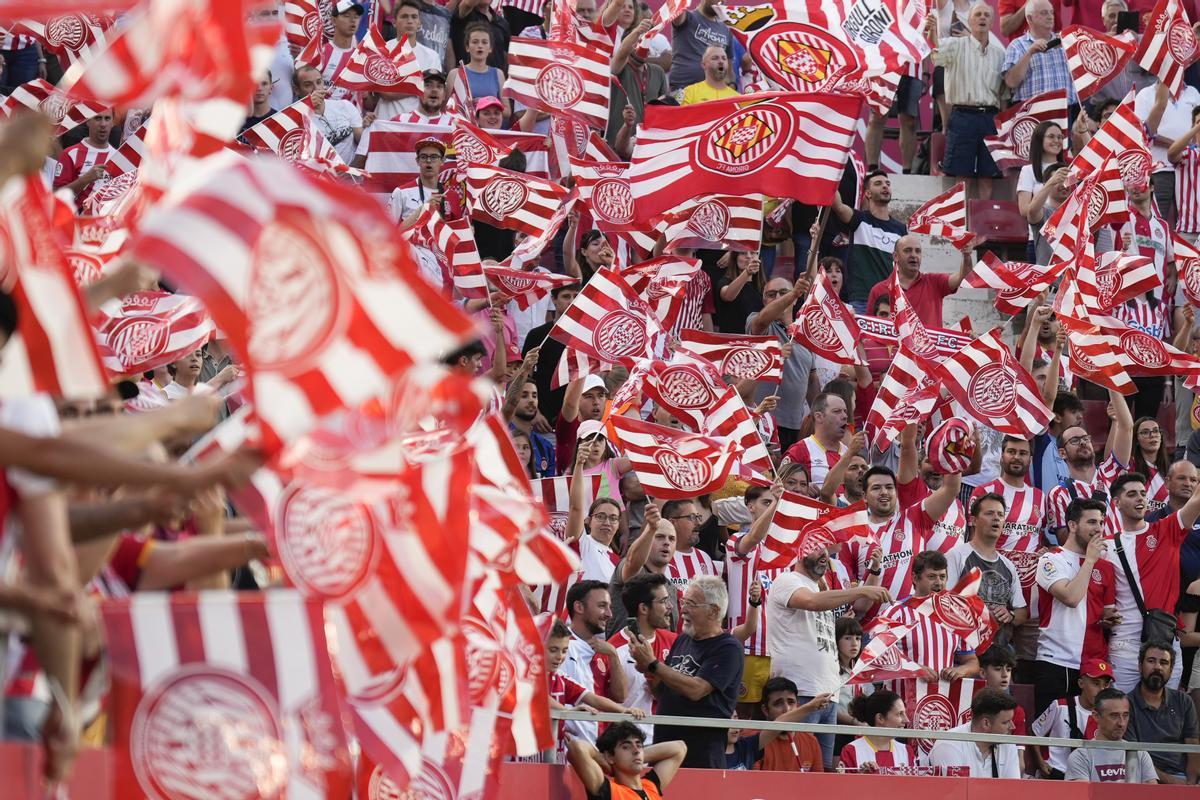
(1052, 681)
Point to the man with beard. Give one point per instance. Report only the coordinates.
(1110, 716)
(522, 420)
(874, 235)
(1151, 551)
(715, 85)
(647, 597)
(1163, 715)
(820, 452)
(688, 561)
(1182, 478)
(700, 677)
(843, 484)
(650, 553)
(1001, 584)
(801, 640)
(1025, 503)
(1078, 604)
(1086, 479)
(591, 661)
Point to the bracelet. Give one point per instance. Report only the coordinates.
(755, 603)
(875, 572)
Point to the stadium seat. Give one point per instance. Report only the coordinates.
(999, 220)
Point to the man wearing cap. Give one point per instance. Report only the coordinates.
(489, 113)
(408, 21)
(549, 399)
(407, 201)
(584, 400)
(336, 52)
(1071, 717)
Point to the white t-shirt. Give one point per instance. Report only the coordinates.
(338, 122)
(802, 644)
(32, 416)
(1176, 120)
(947, 753)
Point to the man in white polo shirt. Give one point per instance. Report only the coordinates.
(991, 712)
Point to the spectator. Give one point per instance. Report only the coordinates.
(701, 675)
(906, 107)
(483, 79)
(1071, 717)
(781, 751)
(1052, 194)
(972, 79)
(742, 570)
(1149, 457)
(801, 638)
(991, 712)
(80, 167)
(339, 120)
(407, 201)
(335, 53)
(843, 484)
(1167, 119)
(23, 60)
(881, 755)
(650, 553)
(779, 297)
(408, 24)
(594, 252)
(1159, 714)
(925, 291)
(1001, 586)
(1184, 154)
(613, 768)
(549, 399)
(715, 85)
(639, 81)
(472, 11)
(1025, 503)
(694, 32)
(434, 33)
(696, 307)
(1047, 146)
(1182, 478)
(821, 451)
(849, 634)
(260, 103)
(583, 401)
(996, 667)
(524, 415)
(689, 562)
(874, 234)
(1145, 571)
(1012, 17)
(647, 598)
(1112, 717)
(591, 661)
(739, 290)
(1031, 67)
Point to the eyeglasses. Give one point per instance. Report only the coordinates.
(661, 601)
(429, 157)
(687, 601)
(1150, 432)
(697, 518)
(1075, 441)
(606, 517)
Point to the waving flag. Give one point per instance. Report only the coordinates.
(609, 322)
(950, 446)
(663, 282)
(729, 418)
(76, 36)
(1016, 124)
(944, 215)
(1168, 45)
(713, 222)
(1098, 358)
(128, 156)
(994, 388)
(1187, 264)
(97, 241)
(561, 78)
(52, 350)
(311, 285)
(452, 243)
(800, 525)
(302, 21)
(63, 111)
(570, 139)
(604, 189)
(555, 494)
(1016, 283)
(672, 464)
(746, 358)
(1120, 137)
(474, 145)
(1113, 278)
(903, 398)
(512, 200)
(1147, 354)
(146, 330)
(526, 287)
(826, 326)
(1095, 58)
(529, 249)
(686, 387)
(231, 687)
(883, 658)
(1067, 229)
(376, 66)
(789, 145)
(291, 135)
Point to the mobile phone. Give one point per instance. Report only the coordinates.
(631, 628)
(1128, 21)
(1053, 43)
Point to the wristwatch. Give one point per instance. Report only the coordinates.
(653, 665)
(755, 603)
(875, 571)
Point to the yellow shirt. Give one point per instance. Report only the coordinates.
(701, 92)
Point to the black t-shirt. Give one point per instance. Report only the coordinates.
(717, 660)
(549, 400)
(501, 36)
(605, 792)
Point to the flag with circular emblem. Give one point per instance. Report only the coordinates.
(826, 326)
(379, 66)
(146, 330)
(64, 111)
(672, 464)
(559, 77)
(1095, 58)
(1016, 124)
(1168, 45)
(992, 386)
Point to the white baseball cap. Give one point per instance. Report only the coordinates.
(592, 382)
(590, 427)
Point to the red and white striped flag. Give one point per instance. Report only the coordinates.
(1067, 228)
(826, 326)
(312, 54)
(53, 349)
(609, 322)
(746, 358)
(291, 135)
(529, 249)
(76, 36)
(225, 689)
(1147, 354)
(555, 494)
(1098, 358)
(513, 200)
(962, 611)
(460, 103)
(376, 66)
(787, 145)
(1121, 137)
(1168, 45)
(950, 446)
(1187, 264)
(662, 282)
(938, 706)
(312, 285)
(302, 20)
(801, 525)
(560, 78)
(944, 215)
(452, 243)
(474, 145)
(145, 330)
(64, 111)
(731, 419)
(97, 241)
(903, 398)
(686, 387)
(571, 139)
(883, 657)
(1113, 278)
(672, 464)
(1015, 282)
(713, 222)
(994, 388)
(526, 287)
(604, 189)
(1016, 124)
(1095, 58)
(128, 156)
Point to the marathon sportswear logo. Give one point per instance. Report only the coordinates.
(993, 390)
(326, 542)
(746, 141)
(618, 335)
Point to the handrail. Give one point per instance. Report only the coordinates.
(857, 730)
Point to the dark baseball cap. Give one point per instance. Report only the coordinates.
(342, 6)
(434, 74)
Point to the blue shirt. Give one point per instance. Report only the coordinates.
(1047, 71)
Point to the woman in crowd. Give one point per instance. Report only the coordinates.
(594, 251)
(880, 754)
(1150, 459)
(739, 290)
(1045, 148)
(483, 79)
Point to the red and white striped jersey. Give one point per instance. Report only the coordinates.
(637, 693)
(569, 693)
(697, 301)
(335, 59)
(1145, 236)
(816, 458)
(861, 751)
(685, 566)
(591, 671)
(1153, 555)
(1187, 191)
(78, 159)
(1141, 315)
(929, 644)
(1055, 723)
(417, 118)
(1156, 490)
(1026, 513)
(1070, 636)
(901, 537)
(947, 531)
(1060, 496)
(740, 572)
(596, 562)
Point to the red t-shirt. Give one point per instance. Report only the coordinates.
(925, 296)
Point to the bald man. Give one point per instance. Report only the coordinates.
(925, 291)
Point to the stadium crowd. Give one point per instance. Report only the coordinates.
(1082, 536)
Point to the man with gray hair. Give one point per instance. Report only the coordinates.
(700, 677)
(1035, 62)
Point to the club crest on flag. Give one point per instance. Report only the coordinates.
(513, 284)
(136, 340)
(993, 390)
(710, 220)
(1181, 39)
(56, 106)
(1144, 349)
(618, 335)
(559, 83)
(503, 196)
(86, 267)
(326, 541)
(1099, 57)
(745, 141)
(933, 712)
(490, 668)
(380, 69)
(815, 322)
(1022, 134)
(381, 787)
(613, 201)
(66, 31)
(745, 363)
(684, 473)
(683, 386)
(954, 611)
(803, 57)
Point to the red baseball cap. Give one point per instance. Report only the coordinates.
(1096, 668)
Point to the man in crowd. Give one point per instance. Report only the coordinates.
(613, 767)
(408, 23)
(522, 420)
(647, 599)
(689, 562)
(1031, 67)
(1071, 717)
(742, 570)
(874, 234)
(925, 290)
(991, 712)
(260, 103)
(650, 553)
(783, 751)
(550, 400)
(335, 53)
(715, 85)
(339, 120)
(407, 201)
(799, 380)
(1160, 714)
(1001, 583)
(820, 452)
(469, 12)
(80, 168)
(592, 662)
(700, 677)
(1026, 504)
(1167, 118)
(694, 32)
(1111, 717)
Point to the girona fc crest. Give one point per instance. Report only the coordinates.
(431, 783)
(1181, 41)
(1026, 564)
(1097, 577)
(136, 340)
(1144, 349)
(921, 342)
(1021, 273)
(470, 150)
(1022, 134)
(683, 387)
(1151, 542)
(56, 106)
(710, 221)
(818, 329)
(933, 712)
(291, 145)
(993, 390)
(803, 57)
(502, 196)
(557, 524)
(381, 787)
(208, 732)
(1099, 58)
(684, 473)
(559, 85)
(381, 70)
(954, 611)
(312, 24)
(294, 302)
(1135, 166)
(1108, 281)
(888, 660)
(1190, 267)
(814, 539)
(513, 284)
(746, 141)
(613, 201)
(489, 668)
(85, 267)
(1097, 202)
(327, 542)
(1081, 362)
(618, 335)
(67, 32)
(746, 363)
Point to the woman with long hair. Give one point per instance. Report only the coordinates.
(1047, 146)
(524, 449)
(879, 754)
(1150, 459)
(739, 290)
(592, 532)
(593, 254)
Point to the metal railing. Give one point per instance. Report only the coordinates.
(897, 733)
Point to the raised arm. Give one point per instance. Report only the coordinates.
(576, 510)
(1120, 435)
(910, 460)
(627, 46)
(639, 550)
(837, 472)
(938, 503)
(584, 758)
(1175, 151)
(666, 757)
(512, 394)
(967, 264)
